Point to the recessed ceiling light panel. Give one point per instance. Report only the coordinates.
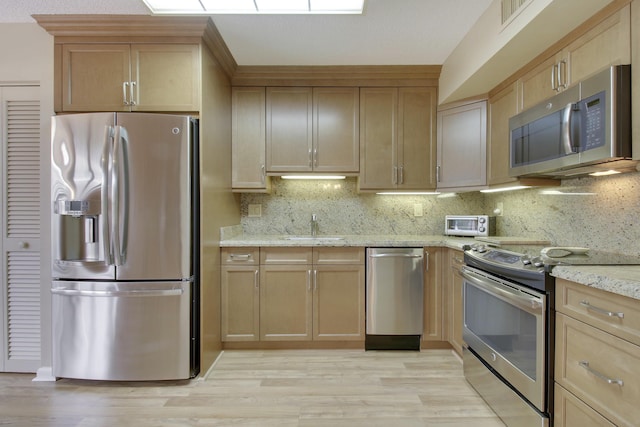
(190, 7)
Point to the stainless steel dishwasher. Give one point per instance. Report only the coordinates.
(395, 298)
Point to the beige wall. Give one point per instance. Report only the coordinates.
(27, 59)
(491, 52)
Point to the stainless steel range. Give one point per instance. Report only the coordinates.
(508, 330)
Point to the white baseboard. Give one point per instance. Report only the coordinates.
(44, 374)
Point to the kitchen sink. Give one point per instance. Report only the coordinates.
(316, 238)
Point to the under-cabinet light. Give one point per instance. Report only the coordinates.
(191, 7)
(511, 188)
(408, 193)
(605, 173)
(313, 177)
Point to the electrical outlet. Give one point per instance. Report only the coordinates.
(417, 209)
(255, 211)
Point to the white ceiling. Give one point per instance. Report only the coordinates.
(390, 32)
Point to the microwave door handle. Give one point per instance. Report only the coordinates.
(567, 143)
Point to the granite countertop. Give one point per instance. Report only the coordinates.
(618, 279)
(347, 240)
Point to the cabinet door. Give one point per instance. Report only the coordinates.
(433, 295)
(240, 303)
(248, 139)
(570, 411)
(166, 77)
(378, 142)
(455, 300)
(338, 302)
(462, 146)
(502, 107)
(93, 76)
(417, 138)
(536, 85)
(608, 43)
(289, 129)
(336, 130)
(285, 302)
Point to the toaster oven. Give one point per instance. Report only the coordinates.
(469, 225)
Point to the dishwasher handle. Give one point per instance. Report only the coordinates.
(394, 255)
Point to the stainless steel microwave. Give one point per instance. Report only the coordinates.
(469, 225)
(583, 129)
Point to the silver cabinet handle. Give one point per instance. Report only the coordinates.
(256, 280)
(554, 75)
(603, 377)
(310, 158)
(315, 280)
(125, 86)
(401, 168)
(599, 310)
(426, 261)
(132, 93)
(438, 173)
(315, 157)
(458, 260)
(309, 280)
(264, 173)
(562, 74)
(395, 175)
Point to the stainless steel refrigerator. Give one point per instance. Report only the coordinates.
(124, 202)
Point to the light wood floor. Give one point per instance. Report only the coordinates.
(265, 388)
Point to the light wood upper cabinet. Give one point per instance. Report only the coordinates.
(502, 106)
(608, 43)
(462, 146)
(123, 77)
(248, 163)
(397, 138)
(336, 119)
(312, 130)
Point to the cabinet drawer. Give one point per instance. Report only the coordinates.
(570, 411)
(286, 255)
(589, 364)
(338, 255)
(613, 313)
(249, 256)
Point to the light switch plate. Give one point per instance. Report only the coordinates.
(417, 209)
(255, 211)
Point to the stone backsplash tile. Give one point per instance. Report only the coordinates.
(599, 213)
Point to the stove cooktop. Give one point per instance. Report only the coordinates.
(539, 256)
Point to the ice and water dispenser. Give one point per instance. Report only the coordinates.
(78, 224)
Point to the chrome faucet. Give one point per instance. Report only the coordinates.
(314, 225)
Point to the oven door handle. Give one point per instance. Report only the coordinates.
(519, 299)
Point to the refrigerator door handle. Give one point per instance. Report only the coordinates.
(149, 293)
(120, 193)
(107, 164)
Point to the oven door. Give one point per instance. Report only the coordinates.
(504, 324)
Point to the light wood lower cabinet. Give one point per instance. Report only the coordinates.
(433, 308)
(452, 286)
(240, 294)
(294, 294)
(593, 362)
(570, 411)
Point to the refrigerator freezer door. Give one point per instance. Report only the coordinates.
(156, 197)
(77, 183)
(121, 331)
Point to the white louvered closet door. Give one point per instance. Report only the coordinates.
(20, 214)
